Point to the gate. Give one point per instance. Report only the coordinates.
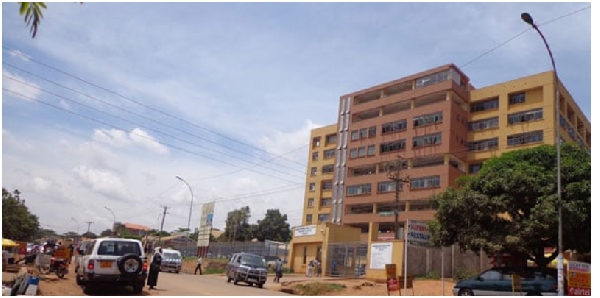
(346, 259)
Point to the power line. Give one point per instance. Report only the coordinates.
(136, 114)
(520, 33)
(143, 105)
(139, 135)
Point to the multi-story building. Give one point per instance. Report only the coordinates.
(437, 127)
(319, 175)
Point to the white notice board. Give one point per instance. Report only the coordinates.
(381, 254)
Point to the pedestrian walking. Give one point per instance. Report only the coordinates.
(199, 266)
(278, 270)
(154, 268)
(309, 268)
(318, 268)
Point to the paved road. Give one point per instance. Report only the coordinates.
(171, 284)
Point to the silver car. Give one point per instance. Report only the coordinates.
(248, 268)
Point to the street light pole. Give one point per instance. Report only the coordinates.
(191, 202)
(73, 218)
(560, 273)
(114, 220)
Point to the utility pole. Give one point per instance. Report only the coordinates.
(89, 223)
(162, 223)
(394, 174)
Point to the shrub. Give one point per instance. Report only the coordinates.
(432, 275)
(462, 273)
(317, 288)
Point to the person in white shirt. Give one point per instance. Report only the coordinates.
(199, 266)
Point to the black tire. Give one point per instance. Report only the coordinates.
(61, 273)
(87, 289)
(235, 279)
(260, 286)
(78, 279)
(130, 264)
(228, 279)
(465, 292)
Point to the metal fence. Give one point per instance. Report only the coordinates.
(271, 250)
(346, 259)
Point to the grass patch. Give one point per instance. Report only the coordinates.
(317, 288)
(213, 271)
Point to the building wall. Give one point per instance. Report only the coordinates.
(319, 145)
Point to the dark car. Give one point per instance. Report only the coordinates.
(499, 281)
(248, 268)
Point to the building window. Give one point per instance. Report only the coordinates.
(326, 169)
(431, 79)
(363, 133)
(323, 217)
(427, 119)
(516, 98)
(313, 171)
(354, 135)
(525, 138)
(331, 139)
(484, 124)
(329, 154)
(316, 142)
(526, 116)
(393, 126)
(485, 105)
(325, 202)
(425, 182)
(427, 140)
(372, 131)
(392, 146)
(475, 168)
(312, 186)
(386, 186)
(311, 202)
(371, 150)
(327, 185)
(308, 221)
(360, 189)
(362, 152)
(353, 153)
(315, 156)
(483, 144)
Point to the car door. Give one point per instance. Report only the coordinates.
(489, 284)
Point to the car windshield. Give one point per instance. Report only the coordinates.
(170, 255)
(253, 260)
(118, 248)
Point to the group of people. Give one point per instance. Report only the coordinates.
(155, 268)
(313, 267)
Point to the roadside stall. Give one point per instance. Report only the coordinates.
(8, 250)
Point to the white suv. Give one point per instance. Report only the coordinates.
(112, 261)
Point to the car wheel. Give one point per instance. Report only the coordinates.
(137, 289)
(260, 285)
(235, 279)
(87, 289)
(465, 292)
(78, 279)
(129, 264)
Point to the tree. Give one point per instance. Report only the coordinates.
(236, 225)
(274, 227)
(106, 233)
(90, 235)
(17, 222)
(511, 205)
(33, 15)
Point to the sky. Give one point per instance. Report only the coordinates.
(110, 101)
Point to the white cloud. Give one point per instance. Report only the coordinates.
(12, 142)
(120, 139)
(41, 184)
(12, 82)
(280, 142)
(102, 181)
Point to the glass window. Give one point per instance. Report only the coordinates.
(425, 182)
(323, 217)
(315, 156)
(331, 139)
(327, 169)
(313, 171)
(359, 189)
(386, 186)
(516, 98)
(483, 144)
(311, 202)
(526, 116)
(475, 168)
(491, 275)
(484, 124)
(485, 105)
(353, 153)
(308, 219)
(372, 131)
(327, 185)
(427, 140)
(325, 202)
(312, 186)
(371, 150)
(393, 126)
(316, 142)
(392, 146)
(427, 119)
(355, 135)
(329, 153)
(362, 152)
(525, 138)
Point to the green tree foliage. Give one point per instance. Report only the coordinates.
(236, 225)
(155, 232)
(89, 235)
(17, 222)
(511, 205)
(33, 15)
(106, 233)
(274, 227)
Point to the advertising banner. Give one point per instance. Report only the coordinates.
(206, 218)
(417, 233)
(381, 254)
(579, 279)
(305, 231)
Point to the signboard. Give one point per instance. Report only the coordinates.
(392, 280)
(206, 218)
(305, 231)
(579, 278)
(381, 254)
(417, 234)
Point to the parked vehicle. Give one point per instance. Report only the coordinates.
(248, 268)
(171, 261)
(59, 266)
(112, 261)
(499, 281)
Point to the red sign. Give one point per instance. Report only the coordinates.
(392, 284)
(577, 291)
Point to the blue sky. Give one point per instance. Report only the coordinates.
(225, 94)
